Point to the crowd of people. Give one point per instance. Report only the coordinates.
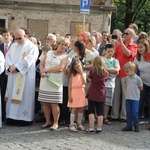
(106, 75)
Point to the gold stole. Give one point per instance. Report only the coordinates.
(18, 86)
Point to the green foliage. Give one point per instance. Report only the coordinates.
(131, 11)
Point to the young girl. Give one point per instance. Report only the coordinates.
(96, 93)
(76, 93)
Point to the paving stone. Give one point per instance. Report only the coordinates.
(111, 138)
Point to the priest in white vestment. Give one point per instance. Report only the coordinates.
(20, 67)
(2, 62)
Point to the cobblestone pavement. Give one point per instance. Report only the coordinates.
(111, 138)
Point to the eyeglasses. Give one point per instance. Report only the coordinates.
(126, 33)
(18, 39)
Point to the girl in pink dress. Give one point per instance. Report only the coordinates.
(77, 100)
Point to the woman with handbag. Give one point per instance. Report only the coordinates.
(51, 89)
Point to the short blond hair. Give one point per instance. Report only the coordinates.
(92, 39)
(129, 65)
(64, 40)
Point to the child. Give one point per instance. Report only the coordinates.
(96, 93)
(76, 93)
(113, 68)
(133, 86)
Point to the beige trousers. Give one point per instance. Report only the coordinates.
(118, 108)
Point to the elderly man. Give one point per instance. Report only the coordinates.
(20, 66)
(125, 51)
(51, 40)
(98, 37)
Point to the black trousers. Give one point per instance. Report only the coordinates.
(64, 110)
(3, 84)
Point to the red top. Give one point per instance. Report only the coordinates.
(147, 57)
(123, 59)
(96, 91)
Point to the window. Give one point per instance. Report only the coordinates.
(38, 28)
(2, 23)
(76, 28)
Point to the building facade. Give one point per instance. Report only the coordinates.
(59, 16)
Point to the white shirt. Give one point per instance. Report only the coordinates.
(144, 68)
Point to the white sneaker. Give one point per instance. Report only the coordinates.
(80, 127)
(72, 128)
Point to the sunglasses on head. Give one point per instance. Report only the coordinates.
(18, 38)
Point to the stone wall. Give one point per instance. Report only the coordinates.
(59, 14)
(67, 2)
(72, 2)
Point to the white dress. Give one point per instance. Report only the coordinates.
(48, 93)
(2, 61)
(25, 110)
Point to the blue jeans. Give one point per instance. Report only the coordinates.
(145, 93)
(132, 107)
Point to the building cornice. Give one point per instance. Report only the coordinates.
(59, 8)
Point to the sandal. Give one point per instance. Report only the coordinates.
(106, 121)
(45, 126)
(89, 131)
(54, 128)
(72, 128)
(80, 127)
(98, 131)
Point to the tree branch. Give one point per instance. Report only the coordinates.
(138, 7)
